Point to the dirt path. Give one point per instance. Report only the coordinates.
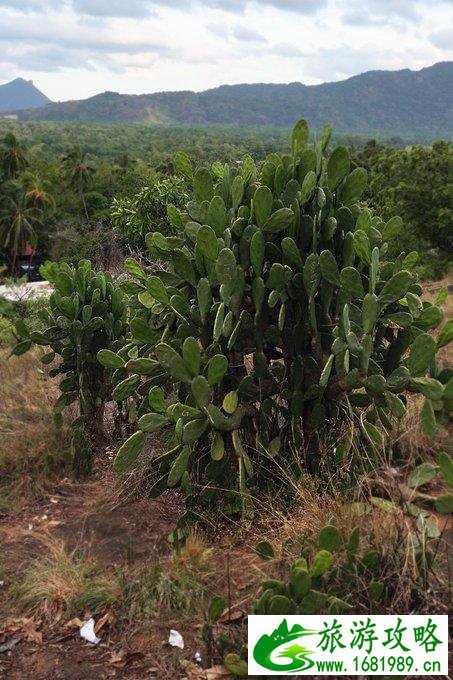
(85, 516)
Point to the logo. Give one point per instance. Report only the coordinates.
(347, 645)
(282, 651)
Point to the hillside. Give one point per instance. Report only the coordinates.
(20, 94)
(405, 102)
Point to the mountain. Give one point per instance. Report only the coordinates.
(20, 94)
(404, 102)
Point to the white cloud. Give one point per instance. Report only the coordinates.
(152, 45)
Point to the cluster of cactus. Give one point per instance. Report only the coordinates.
(317, 580)
(278, 332)
(87, 313)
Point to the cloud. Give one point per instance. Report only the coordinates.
(442, 39)
(380, 12)
(297, 6)
(32, 34)
(245, 34)
(238, 32)
(286, 50)
(28, 6)
(113, 8)
(48, 60)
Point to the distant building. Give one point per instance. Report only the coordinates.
(10, 116)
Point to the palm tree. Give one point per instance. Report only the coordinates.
(12, 156)
(18, 220)
(124, 162)
(78, 172)
(37, 192)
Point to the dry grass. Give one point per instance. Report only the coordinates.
(32, 446)
(60, 584)
(176, 585)
(412, 441)
(393, 534)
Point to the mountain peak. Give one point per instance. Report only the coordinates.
(20, 94)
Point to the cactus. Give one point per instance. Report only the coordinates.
(86, 318)
(314, 583)
(278, 326)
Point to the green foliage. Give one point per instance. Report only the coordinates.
(86, 315)
(324, 580)
(415, 183)
(301, 316)
(133, 216)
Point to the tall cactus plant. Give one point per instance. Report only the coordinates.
(279, 334)
(86, 315)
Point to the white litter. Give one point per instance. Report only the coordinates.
(87, 632)
(197, 657)
(2, 583)
(175, 639)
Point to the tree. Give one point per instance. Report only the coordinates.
(416, 183)
(79, 172)
(12, 156)
(18, 220)
(37, 192)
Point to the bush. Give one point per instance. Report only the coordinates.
(86, 314)
(282, 337)
(416, 184)
(134, 216)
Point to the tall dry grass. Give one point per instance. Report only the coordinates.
(32, 447)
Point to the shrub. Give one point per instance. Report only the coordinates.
(86, 315)
(281, 333)
(134, 216)
(416, 184)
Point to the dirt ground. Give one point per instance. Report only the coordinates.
(83, 515)
(92, 516)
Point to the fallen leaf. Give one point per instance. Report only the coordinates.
(232, 615)
(108, 618)
(75, 623)
(30, 632)
(217, 673)
(193, 672)
(117, 658)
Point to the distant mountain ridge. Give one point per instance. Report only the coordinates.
(403, 102)
(20, 94)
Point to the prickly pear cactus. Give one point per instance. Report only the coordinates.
(325, 578)
(87, 315)
(279, 334)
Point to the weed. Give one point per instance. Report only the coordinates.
(33, 449)
(61, 583)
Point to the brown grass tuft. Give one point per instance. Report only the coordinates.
(33, 448)
(61, 584)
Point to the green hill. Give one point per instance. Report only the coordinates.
(398, 102)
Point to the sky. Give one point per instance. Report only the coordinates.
(73, 49)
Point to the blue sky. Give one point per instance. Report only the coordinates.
(76, 48)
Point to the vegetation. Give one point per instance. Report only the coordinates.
(86, 316)
(416, 183)
(71, 192)
(377, 101)
(267, 358)
(279, 312)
